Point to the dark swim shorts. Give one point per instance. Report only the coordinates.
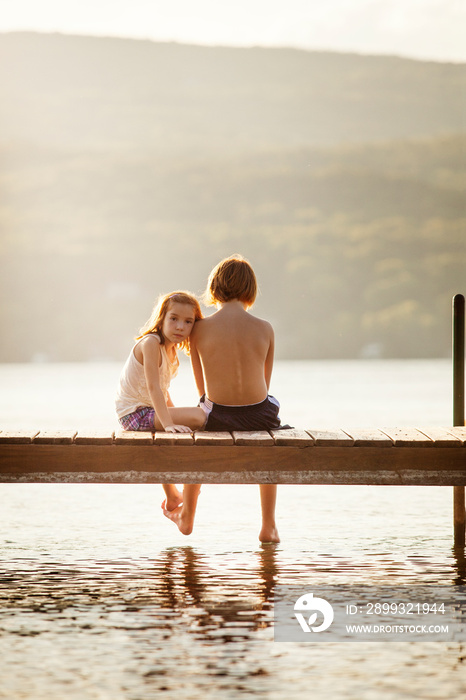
(256, 416)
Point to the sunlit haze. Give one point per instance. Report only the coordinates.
(431, 30)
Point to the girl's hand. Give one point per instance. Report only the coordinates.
(177, 429)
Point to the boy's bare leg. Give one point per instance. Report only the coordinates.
(183, 515)
(269, 532)
(173, 497)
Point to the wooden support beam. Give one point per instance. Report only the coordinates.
(257, 463)
(459, 512)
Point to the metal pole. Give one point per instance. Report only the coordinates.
(459, 516)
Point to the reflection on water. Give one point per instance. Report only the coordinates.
(161, 618)
(216, 605)
(200, 623)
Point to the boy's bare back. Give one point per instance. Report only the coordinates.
(232, 355)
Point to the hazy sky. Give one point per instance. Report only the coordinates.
(427, 29)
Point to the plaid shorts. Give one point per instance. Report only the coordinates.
(141, 419)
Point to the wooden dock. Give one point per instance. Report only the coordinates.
(434, 456)
(397, 456)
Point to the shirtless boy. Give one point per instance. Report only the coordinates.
(232, 360)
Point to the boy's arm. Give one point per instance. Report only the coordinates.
(268, 365)
(197, 367)
(151, 361)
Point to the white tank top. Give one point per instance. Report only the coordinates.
(132, 391)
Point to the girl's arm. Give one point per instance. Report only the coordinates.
(150, 350)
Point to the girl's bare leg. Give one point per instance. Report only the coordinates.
(173, 497)
(194, 418)
(183, 515)
(268, 495)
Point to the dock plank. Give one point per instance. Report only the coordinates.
(369, 437)
(441, 437)
(292, 438)
(458, 431)
(55, 437)
(331, 438)
(203, 437)
(408, 437)
(94, 437)
(133, 437)
(251, 438)
(162, 438)
(18, 437)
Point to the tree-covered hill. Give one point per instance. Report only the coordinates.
(130, 168)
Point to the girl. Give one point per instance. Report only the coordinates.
(143, 401)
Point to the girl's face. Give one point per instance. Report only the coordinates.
(178, 322)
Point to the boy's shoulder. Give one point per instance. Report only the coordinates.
(260, 321)
(219, 323)
(265, 328)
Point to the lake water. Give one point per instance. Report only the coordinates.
(102, 598)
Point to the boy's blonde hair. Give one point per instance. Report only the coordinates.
(232, 278)
(155, 322)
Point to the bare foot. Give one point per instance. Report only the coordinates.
(172, 501)
(184, 523)
(269, 534)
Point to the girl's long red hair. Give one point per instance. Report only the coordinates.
(155, 322)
